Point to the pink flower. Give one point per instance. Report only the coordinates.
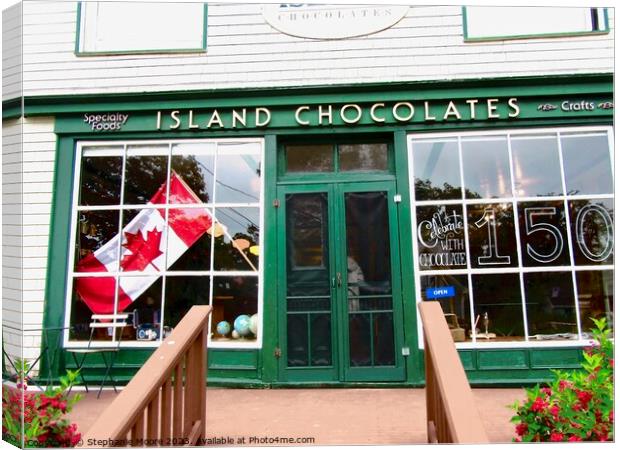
(557, 437)
(555, 411)
(521, 429)
(564, 384)
(546, 391)
(538, 405)
(574, 438)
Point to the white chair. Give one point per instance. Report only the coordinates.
(113, 322)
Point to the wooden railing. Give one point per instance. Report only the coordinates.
(451, 413)
(164, 404)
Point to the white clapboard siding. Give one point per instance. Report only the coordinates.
(243, 51)
(28, 154)
(12, 40)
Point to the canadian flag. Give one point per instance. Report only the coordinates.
(143, 249)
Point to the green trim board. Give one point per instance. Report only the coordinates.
(80, 53)
(562, 85)
(603, 30)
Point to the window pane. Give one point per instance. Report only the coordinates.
(145, 176)
(307, 235)
(498, 307)
(181, 294)
(195, 164)
(237, 238)
(238, 175)
(128, 26)
(87, 293)
(542, 226)
(145, 307)
(310, 158)
(550, 304)
(235, 300)
(96, 229)
(100, 182)
(452, 292)
(363, 157)
(441, 237)
(189, 238)
(436, 170)
(587, 165)
(492, 241)
(486, 168)
(592, 231)
(596, 297)
(536, 166)
(143, 242)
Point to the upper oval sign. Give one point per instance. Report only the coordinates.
(315, 21)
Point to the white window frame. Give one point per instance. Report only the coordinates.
(471, 35)
(513, 200)
(76, 208)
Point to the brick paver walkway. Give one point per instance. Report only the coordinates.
(328, 416)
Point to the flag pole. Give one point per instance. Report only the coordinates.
(234, 244)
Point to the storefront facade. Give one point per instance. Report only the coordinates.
(313, 220)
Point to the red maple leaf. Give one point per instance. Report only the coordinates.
(143, 252)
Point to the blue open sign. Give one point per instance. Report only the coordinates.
(440, 292)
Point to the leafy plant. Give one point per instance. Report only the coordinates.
(575, 406)
(38, 419)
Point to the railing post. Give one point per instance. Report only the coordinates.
(450, 408)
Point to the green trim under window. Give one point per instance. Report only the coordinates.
(467, 38)
(79, 52)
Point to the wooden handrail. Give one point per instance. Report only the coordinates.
(451, 413)
(173, 382)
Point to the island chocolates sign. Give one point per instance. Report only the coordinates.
(316, 21)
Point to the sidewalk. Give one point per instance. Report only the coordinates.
(329, 416)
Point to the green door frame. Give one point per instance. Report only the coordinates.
(340, 369)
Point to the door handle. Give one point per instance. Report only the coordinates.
(338, 279)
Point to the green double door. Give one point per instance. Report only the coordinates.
(340, 308)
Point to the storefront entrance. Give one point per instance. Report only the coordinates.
(339, 297)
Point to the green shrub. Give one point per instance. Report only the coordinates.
(577, 405)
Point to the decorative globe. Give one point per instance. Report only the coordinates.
(223, 328)
(254, 323)
(242, 325)
(235, 335)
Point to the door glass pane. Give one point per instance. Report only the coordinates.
(308, 284)
(363, 157)
(369, 289)
(436, 170)
(310, 158)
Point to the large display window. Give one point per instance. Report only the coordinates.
(513, 232)
(160, 226)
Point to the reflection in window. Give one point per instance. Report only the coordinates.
(550, 302)
(437, 174)
(587, 164)
(310, 158)
(498, 308)
(363, 157)
(592, 230)
(486, 168)
(596, 297)
(536, 166)
(542, 227)
(124, 252)
(492, 235)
